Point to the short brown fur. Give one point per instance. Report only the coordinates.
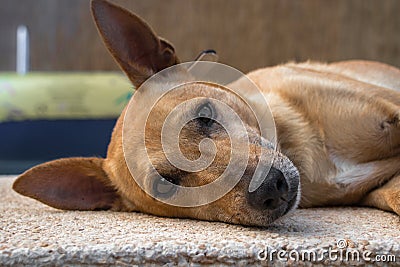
(338, 123)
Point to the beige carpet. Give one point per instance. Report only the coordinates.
(34, 234)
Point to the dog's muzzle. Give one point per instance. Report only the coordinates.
(280, 189)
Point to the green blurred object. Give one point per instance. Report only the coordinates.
(63, 95)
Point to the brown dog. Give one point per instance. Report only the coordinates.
(338, 124)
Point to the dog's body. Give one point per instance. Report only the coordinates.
(339, 124)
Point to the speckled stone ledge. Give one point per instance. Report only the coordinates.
(34, 234)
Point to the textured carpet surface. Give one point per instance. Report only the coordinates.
(34, 234)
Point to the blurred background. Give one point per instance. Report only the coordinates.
(60, 109)
(246, 34)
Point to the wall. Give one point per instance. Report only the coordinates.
(246, 34)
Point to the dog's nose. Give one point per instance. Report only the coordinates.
(272, 193)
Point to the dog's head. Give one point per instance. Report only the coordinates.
(93, 183)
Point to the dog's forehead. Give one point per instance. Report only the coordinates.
(197, 88)
(186, 100)
(192, 92)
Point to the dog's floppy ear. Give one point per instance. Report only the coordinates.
(70, 184)
(132, 42)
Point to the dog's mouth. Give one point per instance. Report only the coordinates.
(293, 203)
(292, 177)
(272, 200)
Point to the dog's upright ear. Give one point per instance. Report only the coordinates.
(70, 184)
(133, 44)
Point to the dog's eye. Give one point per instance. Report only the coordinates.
(162, 188)
(205, 114)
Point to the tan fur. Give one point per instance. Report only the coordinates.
(338, 123)
(334, 113)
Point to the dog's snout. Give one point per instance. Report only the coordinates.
(272, 193)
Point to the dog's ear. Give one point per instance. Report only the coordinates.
(132, 42)
(69, 184)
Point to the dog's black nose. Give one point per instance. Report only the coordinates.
(272, 193)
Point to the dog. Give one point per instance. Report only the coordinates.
(337, 126)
